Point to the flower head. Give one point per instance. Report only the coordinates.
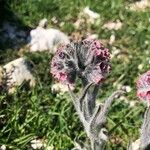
(87, 59)
(143, 86)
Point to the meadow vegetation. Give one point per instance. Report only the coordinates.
(36, 112)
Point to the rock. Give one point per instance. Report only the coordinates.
(42, 39)
(11, 32)
(17, 71)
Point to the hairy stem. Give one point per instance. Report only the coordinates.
(94, 125)
(145, 131)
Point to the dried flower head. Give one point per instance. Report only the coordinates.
(87, 59)
(143, 86)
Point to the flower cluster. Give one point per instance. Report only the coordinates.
(143, 86)
(87, 59)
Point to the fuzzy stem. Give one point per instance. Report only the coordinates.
(101, 118)
(94, 124)
(145, 131)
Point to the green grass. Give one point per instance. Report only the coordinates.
(36, 112)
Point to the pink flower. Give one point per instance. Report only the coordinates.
(87, 60)
(143, 86)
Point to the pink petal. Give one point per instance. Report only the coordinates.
(63, 76)
(148, 95)
(141, 95)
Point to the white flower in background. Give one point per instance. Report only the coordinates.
(140, 66)
(87, 16)
(46, 39)
(3, 147)
(60, 88)
(135, 145)
(62, 24)
(124, 99)
(112, 39)
(54, 20)
(128, 88)
(146, 42)
(90, 13)
(139, 5)
(79, 22)
(113, 25)
(127, 101)
(37, 144)
(17, 71)
(115, 52)
(43, 23)
(132, 103)
(92, 36)
(51, 147)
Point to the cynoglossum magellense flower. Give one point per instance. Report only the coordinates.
(143, 86)
(87, 59)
